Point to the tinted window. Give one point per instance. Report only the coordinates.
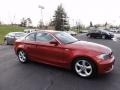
(44, 37)
(30, 37)
(97, 31)
(92, 31)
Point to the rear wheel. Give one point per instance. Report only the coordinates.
(89, 36)
(84, 68)
(5, 42)
(22, 56)
(103, 37)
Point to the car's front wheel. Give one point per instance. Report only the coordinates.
(22, 56)
(84, 68)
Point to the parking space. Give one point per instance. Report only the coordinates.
(34, 76)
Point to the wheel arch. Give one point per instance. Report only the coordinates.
(19, 47)
(19, 50)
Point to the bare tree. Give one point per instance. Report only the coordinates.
(23, 22)
(91, 24)
(29, 22)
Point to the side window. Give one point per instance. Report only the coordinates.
(30, 37)
(45, 37)
(97, 31)
(93, 31)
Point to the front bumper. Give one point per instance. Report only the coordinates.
(111, 36)
(105, 66)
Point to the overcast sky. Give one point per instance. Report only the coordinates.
(97, 11)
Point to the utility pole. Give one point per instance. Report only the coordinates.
(41, 21)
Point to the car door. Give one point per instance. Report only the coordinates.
(98, 33)
(10, 38)
(47, 52)
(30, 46)
(93, 33)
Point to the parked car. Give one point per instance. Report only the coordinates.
(115, 31)
(71, 33)
(30, 30)
(12, 36)
(104, 34)
(60, 49)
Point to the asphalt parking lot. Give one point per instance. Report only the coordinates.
(34, 76)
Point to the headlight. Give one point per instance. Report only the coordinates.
(104, 56)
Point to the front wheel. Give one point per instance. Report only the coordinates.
(84, 68)
(22, 56)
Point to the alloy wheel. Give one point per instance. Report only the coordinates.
(103, 37)
(83, 68)
(22, 56)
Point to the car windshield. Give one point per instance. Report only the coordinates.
(20, 34)
(65, 37)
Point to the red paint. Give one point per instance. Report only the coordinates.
(62, 55)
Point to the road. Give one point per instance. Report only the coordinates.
(34, 76)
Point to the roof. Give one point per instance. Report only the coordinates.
(50, 31)
(16, 32)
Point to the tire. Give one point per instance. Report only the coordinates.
(22, 56)
(89, 36)
(84, 68)
(5, 42)
(103, 37)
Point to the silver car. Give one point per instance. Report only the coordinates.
(12, 36)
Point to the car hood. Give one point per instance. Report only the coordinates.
(92, 46)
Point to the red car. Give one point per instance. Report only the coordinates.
(60, 49)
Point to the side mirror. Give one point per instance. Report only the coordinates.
(54, 42)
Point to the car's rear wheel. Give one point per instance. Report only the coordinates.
(103, 37)
(22, 56)
(89, 36)
(5, 42)
(84, 68)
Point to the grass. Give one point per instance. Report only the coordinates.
(4, 29)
